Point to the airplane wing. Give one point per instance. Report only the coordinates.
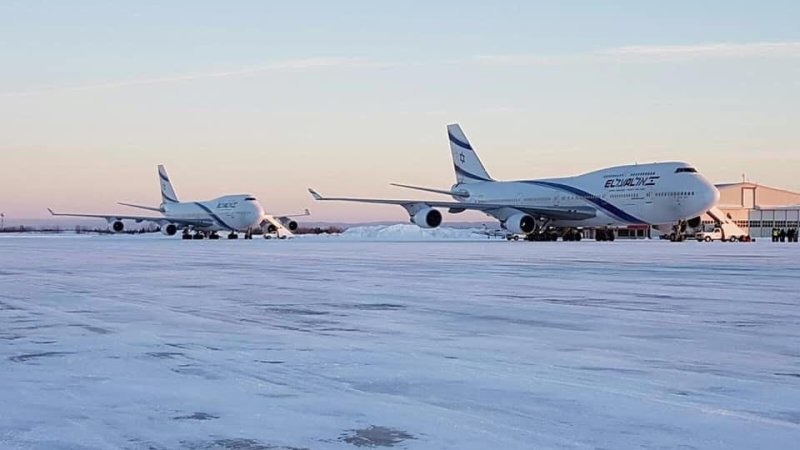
(288, 216)
(138, 219)
(550, 212)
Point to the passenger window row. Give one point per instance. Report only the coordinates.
(675, 194)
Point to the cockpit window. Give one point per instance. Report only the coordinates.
(250, 199)
(686, 169)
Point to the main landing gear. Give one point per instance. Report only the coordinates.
(190, 234)
(198, 235)
(604, 234)
(542, 236)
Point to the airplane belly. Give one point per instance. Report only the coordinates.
(600, 220)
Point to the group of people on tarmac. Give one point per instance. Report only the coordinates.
(781, 235)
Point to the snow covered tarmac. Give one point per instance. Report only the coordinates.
(148, 342)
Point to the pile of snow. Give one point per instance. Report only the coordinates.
(408, 232)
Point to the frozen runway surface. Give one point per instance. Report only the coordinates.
(157, 343)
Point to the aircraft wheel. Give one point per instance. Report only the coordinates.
(233, 236)
(578, 236)
(611, 236)
(213, 236)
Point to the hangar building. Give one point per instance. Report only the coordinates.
(757, 208)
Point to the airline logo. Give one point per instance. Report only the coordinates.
(631, 182)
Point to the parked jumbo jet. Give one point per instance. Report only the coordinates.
(230, 213)
(666, 194)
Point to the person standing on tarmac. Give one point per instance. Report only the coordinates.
(783, 235)
(774, 234)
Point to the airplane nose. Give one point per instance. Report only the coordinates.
(710, 195)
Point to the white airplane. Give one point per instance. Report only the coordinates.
(230, 213)
(660, 194)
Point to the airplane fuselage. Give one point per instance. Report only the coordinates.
(227, 213)
(642, 194)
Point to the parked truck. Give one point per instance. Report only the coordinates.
(724, 230)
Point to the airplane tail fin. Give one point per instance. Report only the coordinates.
(468, 167)
(167, 192)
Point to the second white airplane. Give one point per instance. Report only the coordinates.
(230, 213)
(662, 194)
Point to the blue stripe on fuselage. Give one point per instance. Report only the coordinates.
(620, 214)
(214, 216)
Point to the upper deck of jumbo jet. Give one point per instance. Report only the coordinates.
(663, 168)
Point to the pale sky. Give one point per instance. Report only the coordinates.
(347, 96)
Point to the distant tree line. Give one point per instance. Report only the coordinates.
(319, 230)
(77, 229)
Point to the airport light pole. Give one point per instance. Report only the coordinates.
(2, 221)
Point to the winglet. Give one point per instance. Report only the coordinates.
(51, 212)
(315, 194)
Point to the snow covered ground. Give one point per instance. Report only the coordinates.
(410, 232)
(148, 342)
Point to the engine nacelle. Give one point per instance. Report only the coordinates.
(427, 218)
(169, 229)
(290, 224)
(116, 226)
(520, 224)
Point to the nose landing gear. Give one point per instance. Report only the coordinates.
(678, 232)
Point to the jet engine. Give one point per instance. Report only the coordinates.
(427, 218)
(520, 224)
(169, 229)
(117, 226)
(290, 224)
(694, 223)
